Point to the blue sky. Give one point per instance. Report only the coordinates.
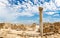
(26, 11)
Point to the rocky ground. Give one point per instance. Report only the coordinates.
(8, 33)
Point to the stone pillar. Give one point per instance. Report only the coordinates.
(41, 20)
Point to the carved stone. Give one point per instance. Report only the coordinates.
(41, 21)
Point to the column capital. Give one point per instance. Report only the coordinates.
(40, 8)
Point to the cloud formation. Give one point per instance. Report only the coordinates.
(11, 10)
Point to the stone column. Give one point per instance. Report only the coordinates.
(41, 20)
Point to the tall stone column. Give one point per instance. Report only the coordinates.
(41, 20)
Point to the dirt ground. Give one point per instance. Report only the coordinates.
(9, 33)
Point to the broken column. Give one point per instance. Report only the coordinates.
(41, 20)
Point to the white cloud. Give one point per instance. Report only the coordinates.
(5, 13)
(32, 9)
(50, 13)
(1, 4)
(47, 19)
(50, 19)
(24, 14)
(56, 20)
(49, 6)
(56, 15)
(57, 2)
(29, 10)
(10, 14)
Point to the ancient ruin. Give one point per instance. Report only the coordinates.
(41, 21)
(46, 30)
